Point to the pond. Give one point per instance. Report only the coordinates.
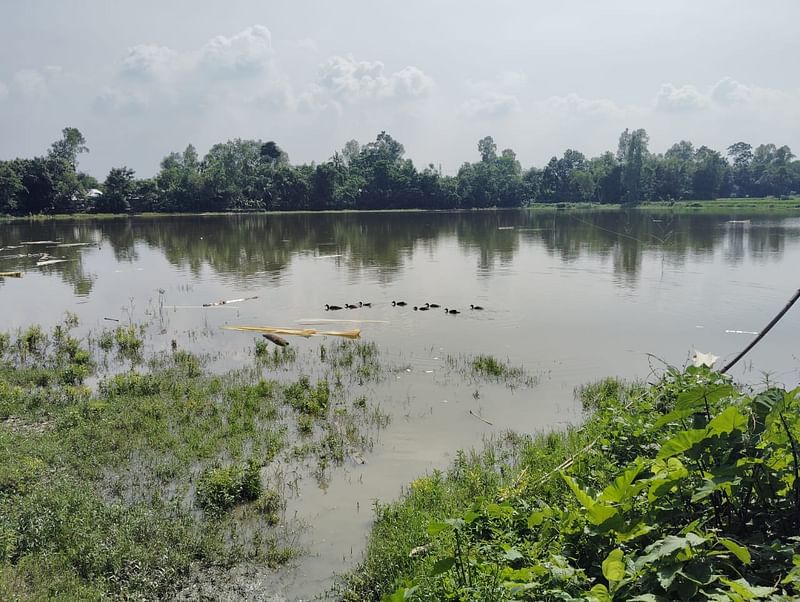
(568, 296)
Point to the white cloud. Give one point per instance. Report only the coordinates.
(685, 98)
(33, 83)
(149, 61)
(728, 92)
(248, 52)
(575, 105)
(116, 100)
(490, 105)
(349, 81)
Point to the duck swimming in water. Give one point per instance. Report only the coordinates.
(421, 308)
(451, 311)
(350, 306)
(331, 307)
(433, 305)
(364, 304)
(399, 303)
(475, 307)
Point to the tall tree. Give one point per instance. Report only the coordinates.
(632, 152)
(71, 145)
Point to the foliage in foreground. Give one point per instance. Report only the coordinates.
(686, 490)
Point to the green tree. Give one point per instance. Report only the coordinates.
(71, 145)
(10, 187)
(487, 149)
(117, 191)
(632, 153)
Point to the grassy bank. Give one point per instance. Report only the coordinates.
(726, 205)
(160, 468)
(685, 490)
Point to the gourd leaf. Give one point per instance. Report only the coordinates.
(622, 488)
(442, 566)
(600, 593)
(596, 512)
(740, 552)
(682, 442)
(729, 420)
(613, 567)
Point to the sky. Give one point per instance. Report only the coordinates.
(143, 79)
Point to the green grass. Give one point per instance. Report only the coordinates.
(117, 490)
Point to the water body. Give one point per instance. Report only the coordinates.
(571, 297)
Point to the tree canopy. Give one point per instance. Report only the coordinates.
(255, 175)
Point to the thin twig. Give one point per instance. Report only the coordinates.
(480, 418)
(767, 328)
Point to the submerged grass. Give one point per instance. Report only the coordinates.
(483, 367)
(117, 490)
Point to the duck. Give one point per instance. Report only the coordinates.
(421, 308)
(399, 303)
(331, 307)
(451, 311)
(364, 304)
(433, 305)
(475, 307)
(350, 306)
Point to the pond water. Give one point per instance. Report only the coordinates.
(571, 297)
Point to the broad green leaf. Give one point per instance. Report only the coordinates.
(401, 594)
(729, 420)
(499, 510)
(511, 554)
(623, 488)
(600, 593)
(698, 570)
(747, 591)
(470, 516)
(682, 442)
(435, 528)
(456, 523)
(662, 548)
(666, 574)
(597, 513)
(723, 478)
(537, 518)
(637, 530)
(740, 552)
(694, 400)
(613, 567)
(442, 566)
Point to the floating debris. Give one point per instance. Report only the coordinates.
(229, 301)
(75, 244)
(44, 262)
(505, 227)
(328, 256)
(10, 274)
(481, 418)
(112, 319)
(741, 222)
(300, 332)
(39, 242)
(740, 332)
(274, 338)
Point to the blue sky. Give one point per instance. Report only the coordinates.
(143, 79)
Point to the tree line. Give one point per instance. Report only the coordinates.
(253, 175)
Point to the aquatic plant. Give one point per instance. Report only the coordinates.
(687, 489)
